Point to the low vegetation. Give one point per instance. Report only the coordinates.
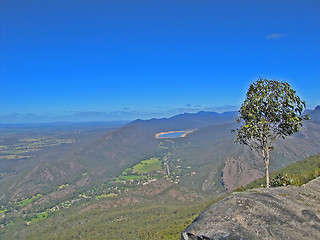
(158, 219)
(25, 147)
(298, 173)
(105, 196)
(26, 201)
(70, 216)
(28, 211)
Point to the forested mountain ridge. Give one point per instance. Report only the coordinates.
(105, 156)
(209, 153)
(129, 165)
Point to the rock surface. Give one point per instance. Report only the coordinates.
(236, 173)
(276, 213)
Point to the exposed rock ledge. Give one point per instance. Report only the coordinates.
(275, 213)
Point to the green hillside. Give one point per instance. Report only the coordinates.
(195, 161)
(141, 221)
(135, 214)
(294, 174)
(157, 210)
(152, 187)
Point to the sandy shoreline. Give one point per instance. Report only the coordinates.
(185, 133)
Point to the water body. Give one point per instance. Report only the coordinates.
(171, 135)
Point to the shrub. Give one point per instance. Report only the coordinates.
(240, 189)
(285, 180)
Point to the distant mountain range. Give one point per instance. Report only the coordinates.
(314, 114)
(207, 159)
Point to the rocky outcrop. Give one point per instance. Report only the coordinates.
(236, 173)
(276, 213)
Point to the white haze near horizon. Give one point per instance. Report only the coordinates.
(121, 115)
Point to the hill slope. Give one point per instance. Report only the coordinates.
(106, 156)
(206, 160)
(157, 210)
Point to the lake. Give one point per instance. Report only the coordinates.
(171, 135)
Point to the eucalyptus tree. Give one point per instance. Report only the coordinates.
(270, 111)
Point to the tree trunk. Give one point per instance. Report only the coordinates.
(266, 160)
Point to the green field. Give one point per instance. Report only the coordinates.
(28, 200)
(37, 218)
(139, 171)
(147, 166)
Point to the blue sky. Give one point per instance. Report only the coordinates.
(81, 60)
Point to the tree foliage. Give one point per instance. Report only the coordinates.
(271, 110)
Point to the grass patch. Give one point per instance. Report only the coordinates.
(139, 171)
(28, 200)
(3, 211)
(146, 166)
(63, 186)
(106, 195)
(125, 172)
(37, 218)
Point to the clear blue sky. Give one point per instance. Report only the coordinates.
(111, 59)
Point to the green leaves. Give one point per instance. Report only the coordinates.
(271, 110)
